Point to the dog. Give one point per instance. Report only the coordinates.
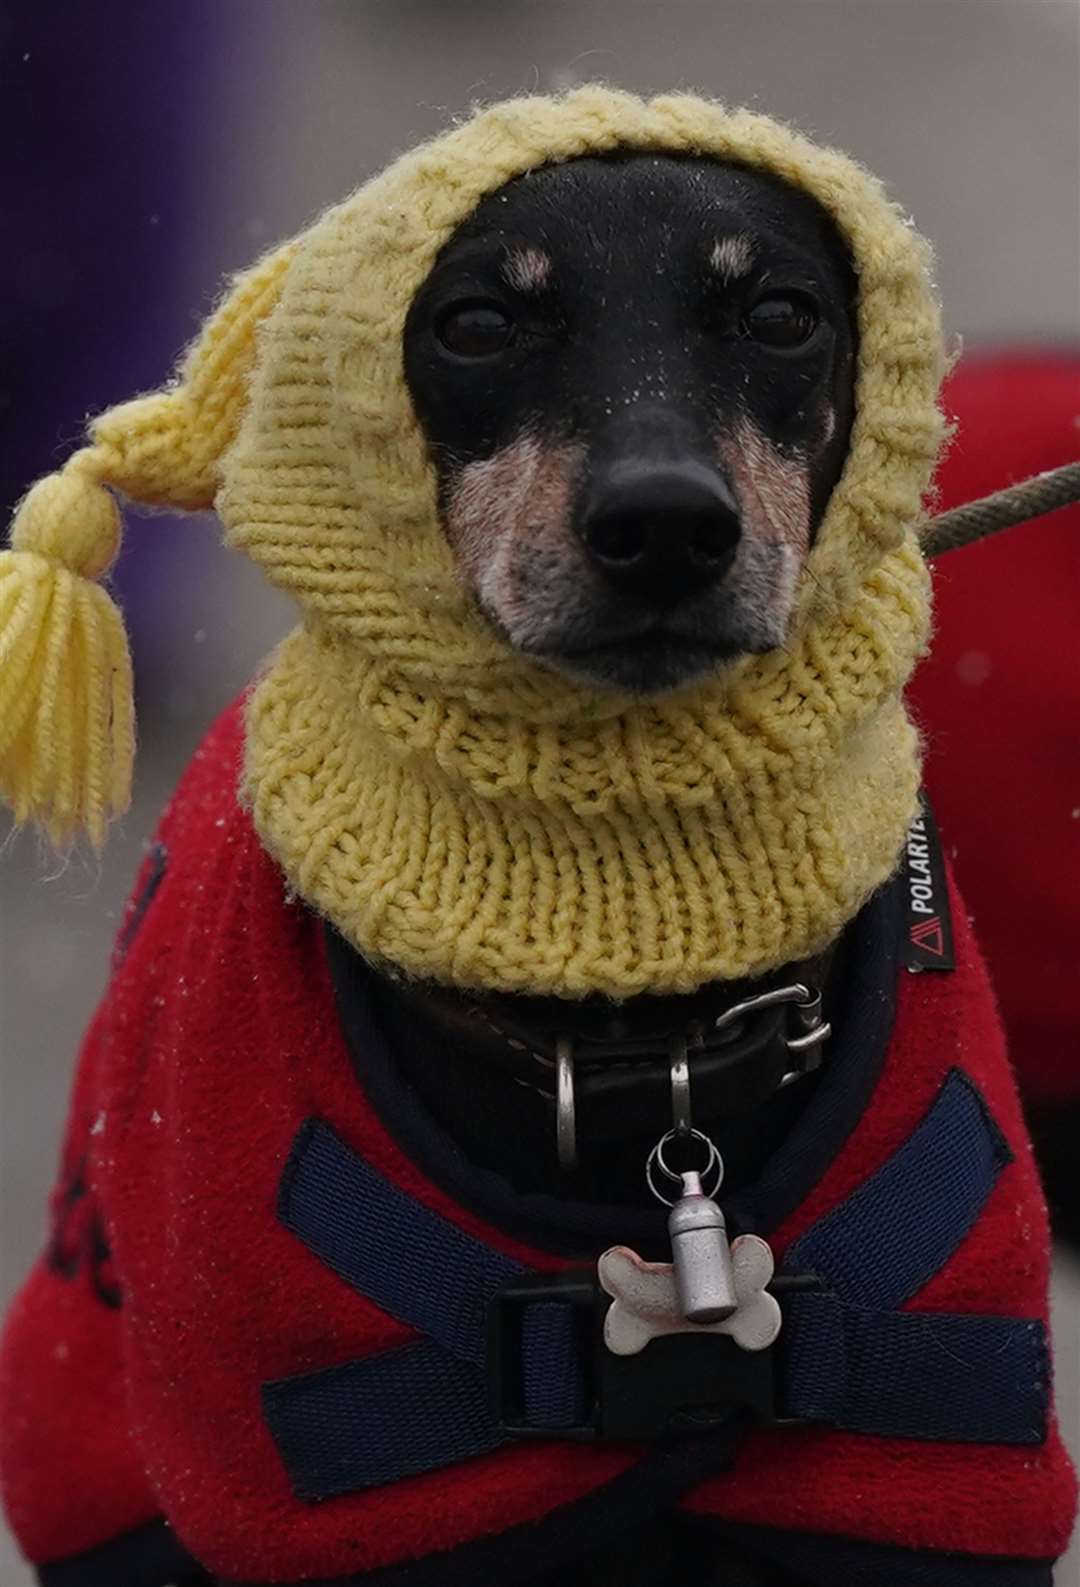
(356, 1318)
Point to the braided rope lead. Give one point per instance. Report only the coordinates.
(1058, 487)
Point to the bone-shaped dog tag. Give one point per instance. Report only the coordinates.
(645, 1303)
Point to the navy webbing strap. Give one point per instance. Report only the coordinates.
(893, 1234)
(411, 1262)
(378, 1420)
(963, 1379)
(852, 1360)
(426, 1404)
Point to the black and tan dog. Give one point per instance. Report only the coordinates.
(372, 1096)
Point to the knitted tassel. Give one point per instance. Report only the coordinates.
(66, 713)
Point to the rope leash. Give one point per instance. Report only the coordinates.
(1042, 493)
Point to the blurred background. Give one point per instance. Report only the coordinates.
(150, 149)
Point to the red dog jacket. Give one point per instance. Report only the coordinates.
(261, 1319)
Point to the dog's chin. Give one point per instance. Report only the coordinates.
(650, 663)
(644, 653)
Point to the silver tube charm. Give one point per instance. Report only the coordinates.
(704, 1276)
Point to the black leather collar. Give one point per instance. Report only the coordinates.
(622, 1055)
(489, 1143)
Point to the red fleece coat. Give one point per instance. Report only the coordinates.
(217, 1038)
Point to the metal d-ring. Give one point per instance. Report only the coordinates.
(714, 1163)
(680, 1086)
(565, 1105)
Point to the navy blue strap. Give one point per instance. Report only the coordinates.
(553, 1396)
(963, 1379)
(852, 1360)
(856, 1362)
(901, 1226)
(378, 1420)
(411, 1262)
(427, 1404)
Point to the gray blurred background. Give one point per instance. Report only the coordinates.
(151, 149)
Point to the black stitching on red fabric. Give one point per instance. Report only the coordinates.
(158, 864)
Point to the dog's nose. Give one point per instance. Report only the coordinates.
(661, 530)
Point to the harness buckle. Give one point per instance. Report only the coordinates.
(678, 1384)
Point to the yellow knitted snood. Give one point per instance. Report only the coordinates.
(458, 811)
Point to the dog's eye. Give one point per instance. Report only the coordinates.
(780, 319)
(474, 330)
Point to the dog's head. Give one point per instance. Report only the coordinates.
(635, 375)
(588, 358)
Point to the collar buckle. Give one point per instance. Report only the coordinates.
(803, 1040)
(807, 1031)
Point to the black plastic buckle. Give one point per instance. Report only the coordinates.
(679, 1383)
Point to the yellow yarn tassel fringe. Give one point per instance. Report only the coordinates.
(66, 715)
(66, 709)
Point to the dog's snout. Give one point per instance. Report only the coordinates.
(661, 530)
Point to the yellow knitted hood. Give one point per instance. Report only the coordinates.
(455, 809)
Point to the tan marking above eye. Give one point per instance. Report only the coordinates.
(732, 257)
(527, 269)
